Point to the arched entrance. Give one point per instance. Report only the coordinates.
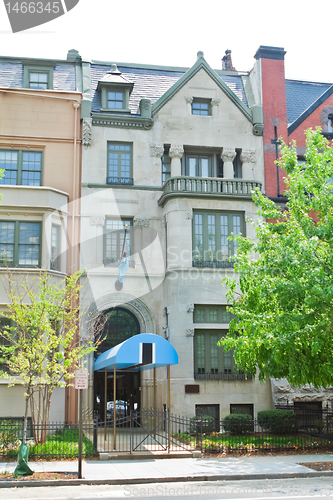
(120, 325)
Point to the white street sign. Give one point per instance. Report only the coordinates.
(81, 379)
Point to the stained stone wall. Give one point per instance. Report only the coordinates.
(283, 393)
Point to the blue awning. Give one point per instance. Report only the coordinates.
(140, 352)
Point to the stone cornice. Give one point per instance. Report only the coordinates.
(121, 121)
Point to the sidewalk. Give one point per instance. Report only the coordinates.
(174, 470)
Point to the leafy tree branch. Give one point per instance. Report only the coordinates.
(284, 313)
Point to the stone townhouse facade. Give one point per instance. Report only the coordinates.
(173, 154)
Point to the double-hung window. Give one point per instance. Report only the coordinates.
(211, 232)
(166, 168)
(5, 323)
(115, 100)
(56, 247)
(38, 80)
(20, 244)
(202, 164)
(209, 358)
(211, 314)
(38, 77)
(201, 107)
(211, 361)
(198, 166)
(114, 240)
(119, 163)
(21, 167)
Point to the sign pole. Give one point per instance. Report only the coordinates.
(81, 382)
(80, 435)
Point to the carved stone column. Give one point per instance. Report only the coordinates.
(248, 160)
(228, 155)
(189, 101)
(215, 106)
(156, 151)
(176, 152)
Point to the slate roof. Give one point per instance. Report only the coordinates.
(301, 95)
(64, 77)
(11, 75)
(151, 84)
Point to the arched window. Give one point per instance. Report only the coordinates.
(120, 324)
(330, 123)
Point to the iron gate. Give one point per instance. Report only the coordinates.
(144, 431)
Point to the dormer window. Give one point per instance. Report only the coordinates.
(115, 100)
(38, 76)
(115, 91)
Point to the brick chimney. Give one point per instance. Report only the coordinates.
(273, 95)
(227, 62)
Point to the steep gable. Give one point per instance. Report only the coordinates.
(201, 64)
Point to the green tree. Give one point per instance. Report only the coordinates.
(41, 347)
(283, 301)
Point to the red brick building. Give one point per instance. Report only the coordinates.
(289, 108)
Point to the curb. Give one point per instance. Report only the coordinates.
(177, 479)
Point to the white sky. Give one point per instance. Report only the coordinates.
(172, 32)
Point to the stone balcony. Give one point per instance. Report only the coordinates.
(33, 198)
(208, 187)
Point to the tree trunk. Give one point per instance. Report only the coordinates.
(40, 401)
(25, 422)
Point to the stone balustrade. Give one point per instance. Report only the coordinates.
(208, 186)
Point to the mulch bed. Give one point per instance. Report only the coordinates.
(39, 476)
(319, 466)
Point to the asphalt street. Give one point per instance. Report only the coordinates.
(289, 489)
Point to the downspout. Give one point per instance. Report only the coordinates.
(76, 106)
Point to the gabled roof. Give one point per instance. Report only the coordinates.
(303, 98)
(114, 77)
(152, 82)
(186, 77)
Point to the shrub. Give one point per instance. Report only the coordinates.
(237, 423)
(278, 421)
(207, 425)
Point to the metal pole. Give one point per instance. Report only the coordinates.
(154, 399)
(169, 430)
(80, 435)
(105, 398)
(114, 405)
(154, 389)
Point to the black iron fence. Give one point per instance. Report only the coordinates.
(53, 440)
(152, 431)
(311, 416)
(253, 437)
